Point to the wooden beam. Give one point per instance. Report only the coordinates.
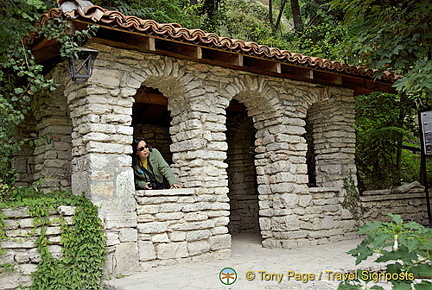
(150, 98)
(297, 71)
(47, 52)
(176, 48)
(260, 64)
(328, 77)
(222, 57)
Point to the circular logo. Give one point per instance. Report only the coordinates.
(227, 276)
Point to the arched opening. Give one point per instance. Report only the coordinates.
(243, 193)
(310, 154)
(151, 119)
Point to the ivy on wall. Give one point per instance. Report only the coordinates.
(83, 242)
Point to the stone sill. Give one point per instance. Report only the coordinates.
(23, 212)
(323, 189)
(166, 192)
(383, 197)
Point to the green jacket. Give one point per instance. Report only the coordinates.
(157, 165)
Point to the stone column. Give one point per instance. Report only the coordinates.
(199, 150)
(281, 177)
(53, 148)
(101, 165)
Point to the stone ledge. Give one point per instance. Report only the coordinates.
(23, 212)
(383, 197)
(166, 192)
(323, 189)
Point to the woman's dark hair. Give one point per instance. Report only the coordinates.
(135, 144)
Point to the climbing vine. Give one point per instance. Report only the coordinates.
(352, 201)
(83, 242)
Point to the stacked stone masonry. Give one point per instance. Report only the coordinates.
(92, 123)
(408, 201)
(175, 224)
(21, 250)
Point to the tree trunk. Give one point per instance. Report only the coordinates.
(295, 9)
(280, 14)
(271, 12)
(402, 115)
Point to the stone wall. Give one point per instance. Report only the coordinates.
(24, 161)
(334, 139)
(318, 219)
(92, 132)
(21, 250)
(198, 96)
(180, 223)
(408, 200)
(53, 148)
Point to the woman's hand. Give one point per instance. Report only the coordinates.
(147, 185)
(176, 185)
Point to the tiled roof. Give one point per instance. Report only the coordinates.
(174, 31)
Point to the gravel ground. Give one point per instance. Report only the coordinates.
(318, 267)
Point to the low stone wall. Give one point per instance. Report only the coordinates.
(20, 246)
(181, 223)
(318, 219)
(409, 201)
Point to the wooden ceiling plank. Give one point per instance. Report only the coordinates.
(151, 98)
(222, 57)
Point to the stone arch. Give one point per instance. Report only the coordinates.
(279, 171)
(169, 76)
(330, 115)
(49, 160)
(264, 100)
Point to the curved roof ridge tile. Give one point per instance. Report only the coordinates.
(175, 31)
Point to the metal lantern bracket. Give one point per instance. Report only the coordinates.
(81, 64)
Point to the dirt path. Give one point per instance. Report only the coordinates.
(316, 267)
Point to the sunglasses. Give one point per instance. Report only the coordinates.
(142, 148)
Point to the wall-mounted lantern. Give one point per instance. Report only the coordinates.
(81, 64)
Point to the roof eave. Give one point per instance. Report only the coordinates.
(317, 71)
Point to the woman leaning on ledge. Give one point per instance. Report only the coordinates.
(151, 171)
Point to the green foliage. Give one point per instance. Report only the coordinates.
(21, 77)
(379, 129)
(83, 242)
(6, 267)
(163, 11)
(244, 21)
(406, 248)
(392, 35)
(247, 20)
(323, 34)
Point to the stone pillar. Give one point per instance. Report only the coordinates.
(199, 150)
(334, 138)
(53, 148)
(101, 164)
(281, 177)
(24, 160)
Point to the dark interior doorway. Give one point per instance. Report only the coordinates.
(243, 193)
(151, 119)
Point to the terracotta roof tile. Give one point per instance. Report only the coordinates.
(175, 31)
